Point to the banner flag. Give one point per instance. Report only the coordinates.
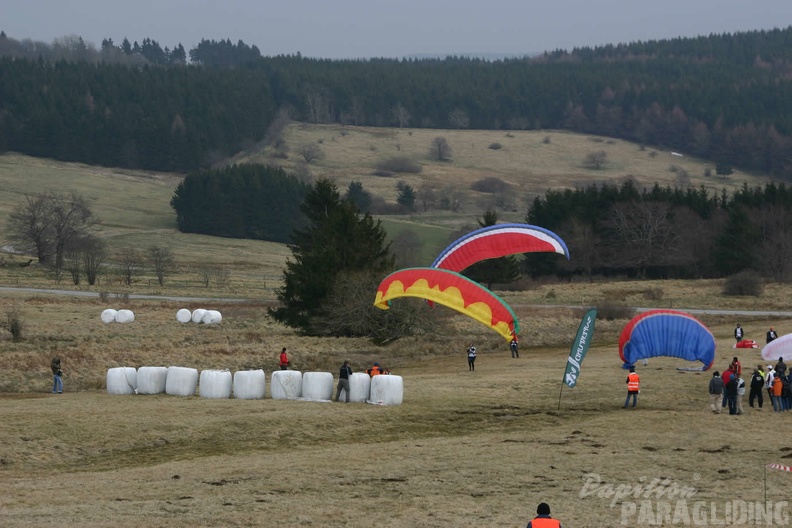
(580, 347)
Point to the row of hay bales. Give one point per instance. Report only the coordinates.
(184, 315)
(252, 384)
(117, 316)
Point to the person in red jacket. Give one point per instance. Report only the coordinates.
(284, 359)
(543, 519)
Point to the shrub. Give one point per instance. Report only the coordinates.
(490, 185)
(546, 140)
(399, 164)
(104, 296)
(495, 146)
(611, 311)
(15, 324)
(653, 294)
(746, 282)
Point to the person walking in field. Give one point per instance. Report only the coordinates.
(57, 376)
(738, 333)
(343, 380)
(771, 335)
(543, 519)
(740, 393)
(633, 387)
(471, 355)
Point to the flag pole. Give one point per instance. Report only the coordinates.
(765, 484)
(560, 393)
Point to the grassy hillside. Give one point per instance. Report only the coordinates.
(134, 206)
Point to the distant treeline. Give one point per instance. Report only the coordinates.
(726, 97)
(241, 201)
(665, 232)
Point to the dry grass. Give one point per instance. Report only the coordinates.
(464, 449)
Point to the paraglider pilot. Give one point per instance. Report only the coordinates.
(738, 333)
(513, 346)
(633, 387)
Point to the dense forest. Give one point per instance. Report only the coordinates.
(725, 97)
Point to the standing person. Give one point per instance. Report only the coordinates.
(57, 376)
(727, 375)
(633, 387)
(284, 359)
(757, 384)
(736, 366)
(471, 354)
(375, 370)
(716, 392)
(769, 377)
(777, 389)
(543, 519)
(343, 380)
(513, 346)
(738, 333)
(771, 335)
(731, 394)
(740, 393)
(780, 368)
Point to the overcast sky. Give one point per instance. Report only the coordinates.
(397, 28)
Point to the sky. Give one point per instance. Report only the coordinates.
(355, 29)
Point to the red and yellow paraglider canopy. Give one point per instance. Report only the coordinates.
(452, 290)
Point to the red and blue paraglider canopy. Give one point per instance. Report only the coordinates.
(496, 241)
(666, 333)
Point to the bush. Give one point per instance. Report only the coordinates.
(399, 164)
(611, 311)
(653, 294)
(15, 324)
(746, 282)
(490, 185)
(495, 146)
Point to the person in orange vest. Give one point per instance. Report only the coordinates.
(543, 519)
(375, 370)
(633, 387)
(284, 359)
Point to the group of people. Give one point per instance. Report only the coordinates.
(471, 352)
(739, 334)
(728, 389)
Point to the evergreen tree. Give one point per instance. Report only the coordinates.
(336, 243)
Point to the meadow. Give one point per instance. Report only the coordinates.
(465, 448)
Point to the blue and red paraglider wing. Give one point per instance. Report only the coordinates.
(498, 241)
(666, 333)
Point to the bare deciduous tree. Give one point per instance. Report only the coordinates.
(458, 118)
(439, 149)
(311, 152)
(162, 261)
(94, 255)
(595, 160)
(29, 227)
(400, 115)
(130, 263)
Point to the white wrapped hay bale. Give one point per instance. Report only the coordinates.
(359, 388)
(181, 381)
(212, 317)
(151, 380)
(387, 390)
(249, 384)
(317, 386)
(109, 316)
(197, 315)
(125, 316)
(121, 380)
(184, 315)
(286, 384)
(215, 384)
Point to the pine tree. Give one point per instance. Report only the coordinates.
(337, 242)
